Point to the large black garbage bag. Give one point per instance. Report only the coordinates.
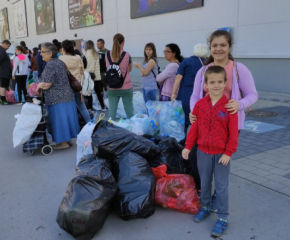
(88, 199)
(110, 141)
(170, 155)
(136, 187)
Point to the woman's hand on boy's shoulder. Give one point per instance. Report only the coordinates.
(232, 106)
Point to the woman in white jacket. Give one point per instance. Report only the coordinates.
(75, 65)
(93, 67)
(20, 71)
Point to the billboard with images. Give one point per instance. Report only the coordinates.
(4, 26)
(85, 13)
(143, 8)
(44, 16)
(19, 17)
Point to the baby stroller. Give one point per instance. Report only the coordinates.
(39, 137)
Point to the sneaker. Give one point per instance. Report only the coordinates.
(104, 109)
(4, 102)
(220, 227)
(202, 214)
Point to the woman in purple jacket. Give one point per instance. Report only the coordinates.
(167, 77)
(240, 87)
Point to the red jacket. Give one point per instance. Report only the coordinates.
(215, 130)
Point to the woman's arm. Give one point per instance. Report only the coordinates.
(130, 67)
(247, 86)
(16, 64)
(145, 72)
(195, 96)
(176, 86)
(167, 72)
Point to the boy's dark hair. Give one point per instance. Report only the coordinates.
(101, 40)
(23, 44)
(7, 42)
(215, 69)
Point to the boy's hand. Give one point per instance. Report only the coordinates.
(185, 153)
(224, 160)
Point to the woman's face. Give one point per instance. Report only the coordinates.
(149, 52)
(220, 48)
(17, 51)
(46, 55)
(168, 54)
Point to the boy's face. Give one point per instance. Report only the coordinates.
(216, 84)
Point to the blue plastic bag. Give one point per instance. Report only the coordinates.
(16, 94)
(166, 119)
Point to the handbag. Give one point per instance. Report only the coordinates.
(74, 83)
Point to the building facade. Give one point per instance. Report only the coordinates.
(260, 29)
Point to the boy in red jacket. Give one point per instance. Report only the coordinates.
(216, 133)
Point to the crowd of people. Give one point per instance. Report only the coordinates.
(209, 82)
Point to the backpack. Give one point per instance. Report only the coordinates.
(87, 84)
(158, 68)
(114, 75)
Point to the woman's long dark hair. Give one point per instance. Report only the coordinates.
(219, 33)
(35, 51)
(154, 55)
(116, 49)
(175, 49)
(68, 47)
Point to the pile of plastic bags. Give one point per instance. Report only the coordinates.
(127, 172)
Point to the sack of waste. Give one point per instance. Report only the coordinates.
(136, 187)
(170, 154)
(176, 191)
(110, 141)
(88, 199)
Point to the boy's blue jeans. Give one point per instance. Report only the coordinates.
(149, 95)
(82, 107)
(207, 167)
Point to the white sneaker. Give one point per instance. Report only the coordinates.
(104, 109)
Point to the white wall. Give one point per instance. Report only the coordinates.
(260, 27)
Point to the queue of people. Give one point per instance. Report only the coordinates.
(213, 88)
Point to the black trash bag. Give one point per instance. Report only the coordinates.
(171, 155)
(88, 199)
(110, 141)
(136, 187)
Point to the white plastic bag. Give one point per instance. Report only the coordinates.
(84, 141)
(132, 126)
(84, 138)
(138, 105)
(143, 120)
(96, 103)
(26, 123)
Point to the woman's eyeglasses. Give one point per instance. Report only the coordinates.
(166, 51)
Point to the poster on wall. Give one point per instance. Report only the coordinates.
(44, 16)
(143, 8)
(85, 13)
(4, 26)
(19, 17)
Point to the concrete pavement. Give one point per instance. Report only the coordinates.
(33, 186)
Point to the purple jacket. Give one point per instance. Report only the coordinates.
(245, 84)
(168, 76)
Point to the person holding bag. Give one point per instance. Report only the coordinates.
(120, 84)
(92, 66)
(75, 65)
(59, 97)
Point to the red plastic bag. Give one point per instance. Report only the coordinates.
(176, 191)
(32, 90)
(10, 96)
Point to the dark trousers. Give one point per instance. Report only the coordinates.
(208, 167)
(21, 86)
(99, 91)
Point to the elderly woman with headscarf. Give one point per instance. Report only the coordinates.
(59, 97)
(184, 81)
